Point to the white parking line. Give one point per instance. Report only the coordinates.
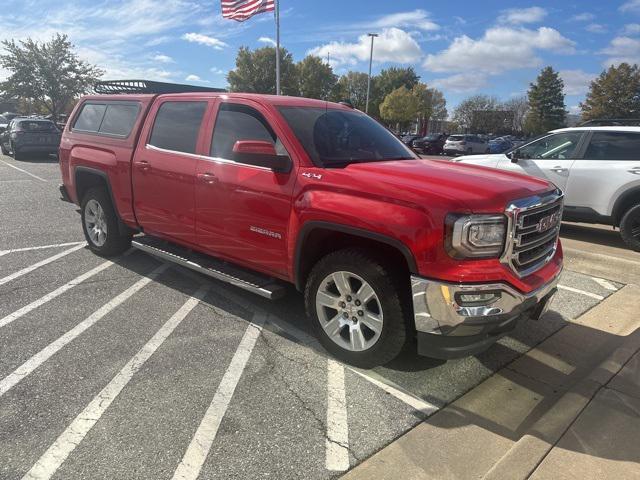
(581, 292)
(605, 283)
(46, 353)
(23, 171)
(41, 263)
(200, 445)
(50, 296)
(42, 247)
(57, 453)
(415, 402)
(337, 442)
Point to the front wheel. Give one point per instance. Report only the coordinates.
(630, 228)
(100, 224)
(357, 308)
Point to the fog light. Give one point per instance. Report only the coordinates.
(485, 298)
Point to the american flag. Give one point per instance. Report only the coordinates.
(242, 10)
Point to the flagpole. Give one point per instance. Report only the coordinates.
(277, 47)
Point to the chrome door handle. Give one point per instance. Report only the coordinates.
(634, 170)
(559, 169)
(208, 178)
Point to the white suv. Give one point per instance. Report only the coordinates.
(598, 168)
(465, 144)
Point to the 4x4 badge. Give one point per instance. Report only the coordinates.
(317, 176)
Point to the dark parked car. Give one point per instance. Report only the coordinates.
(408, 139)
(29, 135)
(432, 144)
(500, 145)
(4, 123)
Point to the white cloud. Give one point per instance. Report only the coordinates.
(583, 17)
(576, 82)
(574, 110)
(519, 16)
(622, 49)
(499, 49)
(630, 6)
(393, 45)
(163, 58)
(193, 78)
(217, 71)
(461, 82)
(204, 40)
(631, 29)
(596, 28)
(418, 19)
(268, 40)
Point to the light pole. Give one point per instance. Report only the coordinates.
(366, 108)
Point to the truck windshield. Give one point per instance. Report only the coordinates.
(337, 138)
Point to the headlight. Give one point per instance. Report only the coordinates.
(475, 236)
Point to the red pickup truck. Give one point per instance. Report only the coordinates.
(262, 191)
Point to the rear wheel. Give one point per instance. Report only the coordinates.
(357, 308)
(100, 224)
(630, 228)
(14, 153)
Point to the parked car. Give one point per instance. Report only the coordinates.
(431, 144)
(408, 139)
(4, 123)
(10, 116)
(465, 145)
(598, 168)
(260, 191)
(29, 135)
(500, 145)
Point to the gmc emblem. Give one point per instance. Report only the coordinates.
(548, 222)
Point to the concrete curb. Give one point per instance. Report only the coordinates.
(528, 452)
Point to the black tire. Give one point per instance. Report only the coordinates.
(630, 228)
(14, 153)
(393, 296)
(115, 242)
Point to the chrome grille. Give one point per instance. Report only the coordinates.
(535, 227)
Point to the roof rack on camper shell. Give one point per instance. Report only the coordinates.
(146, 86)
(612, 122)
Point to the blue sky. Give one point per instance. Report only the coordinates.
(463, 47)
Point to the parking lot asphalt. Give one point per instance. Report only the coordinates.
(131, 368)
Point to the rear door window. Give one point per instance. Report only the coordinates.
(177, 126)
(613, 146)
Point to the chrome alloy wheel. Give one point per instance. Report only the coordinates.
(95, 223)
(349, 311)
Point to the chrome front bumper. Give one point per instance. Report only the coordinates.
(439, 310)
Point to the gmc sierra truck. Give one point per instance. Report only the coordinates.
(263, 191)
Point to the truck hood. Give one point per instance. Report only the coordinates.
(484, 160)
(476, 188)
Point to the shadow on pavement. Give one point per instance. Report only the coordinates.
(599, 236)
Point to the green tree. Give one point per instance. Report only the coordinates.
(47, 75)
(315, 78)
(466, 113)
(386, 82)
(430, 105)
(399, 107)
(255, 72)
(353, 87)
(546, 103)
(614, 94)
